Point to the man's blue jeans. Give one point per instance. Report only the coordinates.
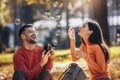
(20, 75)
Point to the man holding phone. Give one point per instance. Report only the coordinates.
(30, 60)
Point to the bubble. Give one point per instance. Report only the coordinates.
(69, 6)
(48, 15)
(53, 48)
(54, 41)
(57, 32)
(55, 4)
(17, 21)
(61, 5)
(57, 17)
(52, 18)
(49, 28)
(57, 11)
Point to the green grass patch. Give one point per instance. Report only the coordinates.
(60, 55)
(115, 51)
(6, 58)
(62, 58)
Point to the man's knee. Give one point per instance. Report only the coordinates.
(45, 75)
(19, 75)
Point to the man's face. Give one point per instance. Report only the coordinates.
(30, 35)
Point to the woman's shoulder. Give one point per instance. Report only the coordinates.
(94, 46)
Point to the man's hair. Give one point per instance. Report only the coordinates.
(22, 29)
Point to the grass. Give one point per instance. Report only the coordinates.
(64, 54)
(62, 60)
(6, 58)
(115, 51)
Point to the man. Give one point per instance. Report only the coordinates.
(30, 62)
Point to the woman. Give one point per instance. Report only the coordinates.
(93, 49)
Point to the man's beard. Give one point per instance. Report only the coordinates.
(31, 41)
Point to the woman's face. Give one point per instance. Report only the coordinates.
(84, 31)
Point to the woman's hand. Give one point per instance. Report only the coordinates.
(80, 54)
(71, 33)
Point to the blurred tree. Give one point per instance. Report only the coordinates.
(5, 12)
(1, 43)
(32, 12)
(5, 37)
(100, 14)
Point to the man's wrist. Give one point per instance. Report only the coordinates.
(41, 64)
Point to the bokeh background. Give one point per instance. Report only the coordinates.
(52, 18)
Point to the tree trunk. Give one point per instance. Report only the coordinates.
(100, 14)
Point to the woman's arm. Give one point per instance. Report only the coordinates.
(71, 35)
(73, 51)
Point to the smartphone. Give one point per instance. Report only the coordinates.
(47, 47)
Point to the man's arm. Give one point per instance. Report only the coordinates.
(19, 63)
(49, 64)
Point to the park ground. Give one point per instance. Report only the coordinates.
(61, 62)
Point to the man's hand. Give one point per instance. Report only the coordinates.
(52, 54)
(44, 58)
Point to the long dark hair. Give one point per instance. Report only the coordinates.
(97, 38)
